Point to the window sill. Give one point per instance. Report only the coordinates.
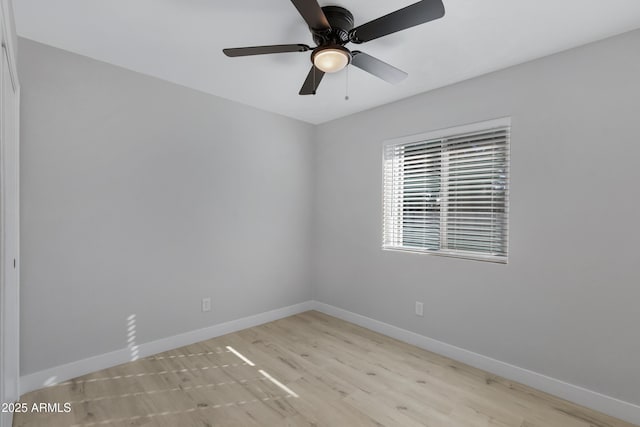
(451, 254)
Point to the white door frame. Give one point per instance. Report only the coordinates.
(9, 319)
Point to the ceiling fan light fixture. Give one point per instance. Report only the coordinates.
(332, 27)
(331, 59)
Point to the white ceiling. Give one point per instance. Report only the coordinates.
(182, 40)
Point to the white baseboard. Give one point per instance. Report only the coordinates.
(582, 396)
(591, 399)
(75, 369)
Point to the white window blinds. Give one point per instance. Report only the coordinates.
(449, 195)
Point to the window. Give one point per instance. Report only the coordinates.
(447, 192)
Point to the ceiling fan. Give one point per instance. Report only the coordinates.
(332, 28)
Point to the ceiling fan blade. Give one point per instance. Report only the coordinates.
(312, 82)
(410, 16)
(312, 14)
(378, 68)
(264, 50)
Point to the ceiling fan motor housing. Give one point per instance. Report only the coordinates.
(341, 22)
(332, 27)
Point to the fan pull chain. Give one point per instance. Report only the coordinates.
(346, 96)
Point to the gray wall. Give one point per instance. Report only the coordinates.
(141, 197)
(566, 305)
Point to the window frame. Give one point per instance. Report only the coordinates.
(445, 133)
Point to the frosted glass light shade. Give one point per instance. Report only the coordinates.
(331, 60)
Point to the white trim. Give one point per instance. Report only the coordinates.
(456, 130)
(582, 396)
(9, 40)
(449, 254)
(17, 256)
(75, 369)
(436, 137)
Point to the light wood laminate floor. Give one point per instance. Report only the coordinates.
(306, 370)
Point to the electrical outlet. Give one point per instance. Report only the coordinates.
(419, 309)
(206, 304)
